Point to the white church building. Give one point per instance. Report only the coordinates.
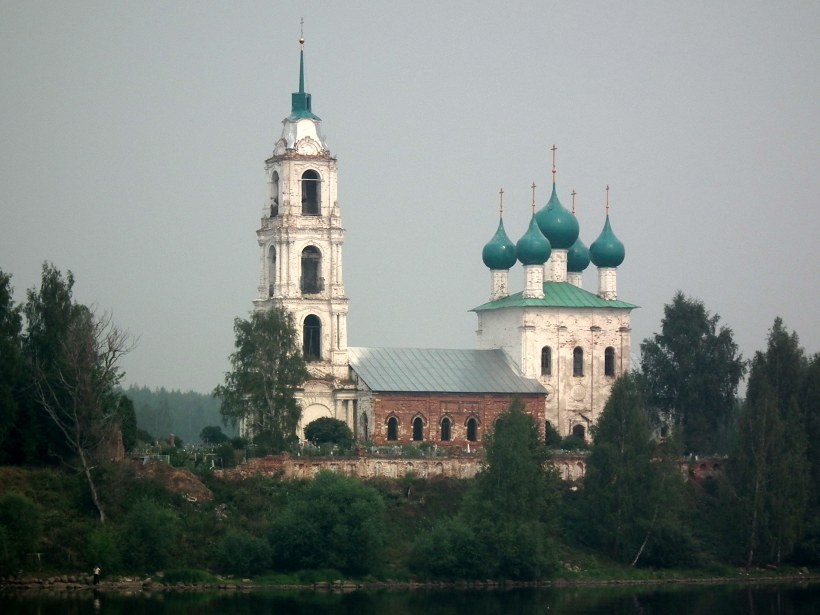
(555, 345)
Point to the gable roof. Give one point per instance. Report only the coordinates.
(430, 370)
(556, 294)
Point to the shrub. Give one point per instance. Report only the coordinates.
(574, 443)
(239, 552)
(148, 536)
(101, 549)
(213, 434)
(20, 529)
(326, 430)
(450, 550)
(335, 522)
(226, 455)
(552, 437)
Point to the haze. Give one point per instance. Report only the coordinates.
(133, 137)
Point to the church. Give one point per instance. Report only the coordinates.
(554, 345)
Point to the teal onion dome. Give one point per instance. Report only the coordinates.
(607, 250)
(533, 248)
(499, 253)
(577, 257)
(558, 224)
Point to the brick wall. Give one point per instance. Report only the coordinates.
(434, 409)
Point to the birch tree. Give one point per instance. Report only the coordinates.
(267, 369)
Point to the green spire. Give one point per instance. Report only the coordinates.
(300, 101)
(302, 69)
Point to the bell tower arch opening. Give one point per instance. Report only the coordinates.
(312, 338)
(311, 193)
(274, 194)
(311, 279)
(271, 271)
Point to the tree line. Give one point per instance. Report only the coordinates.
(162, 412)
(61, 402)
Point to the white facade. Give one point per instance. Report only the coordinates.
(577, 372)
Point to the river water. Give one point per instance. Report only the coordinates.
(666, 600)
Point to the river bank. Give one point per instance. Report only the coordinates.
(67, 584)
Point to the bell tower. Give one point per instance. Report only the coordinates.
(300, 248)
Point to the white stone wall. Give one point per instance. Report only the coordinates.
(534, 281)
(607, 283)
(499, 284)
(523, 332)
(555, 269)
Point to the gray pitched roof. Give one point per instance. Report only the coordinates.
(429, 370)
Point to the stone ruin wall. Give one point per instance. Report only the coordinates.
(571, 467)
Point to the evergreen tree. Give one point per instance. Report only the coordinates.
(769, 471)
(11, 369)
(810, 403)
(507, 526)
(808, 550)
(513, 506)
(633, 499)
(127, 419)
(691, 371)
(267, 369)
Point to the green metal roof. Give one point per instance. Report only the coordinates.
(431, 370)
(556, 294)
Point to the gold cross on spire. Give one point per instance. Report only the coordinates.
(607, 199)
(573, 193)
(533, 198)
(554, 149)
(302, 32)
(501, 202)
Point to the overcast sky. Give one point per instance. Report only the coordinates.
(133, 137)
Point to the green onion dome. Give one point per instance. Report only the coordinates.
(577, 257)
(499, 253)
(558, 224)
(607, 250)
(533, 248)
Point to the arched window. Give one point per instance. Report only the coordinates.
(578, 431)
(311, 193)
(578, 361)
(312, 338)
(546, 361)
(418, 429)
(311, 282)
(609, 361)
(446, 429)
(392, 429)
(271, 271)
(274, 195)
(472, 429)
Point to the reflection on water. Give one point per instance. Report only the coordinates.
(666, 600)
